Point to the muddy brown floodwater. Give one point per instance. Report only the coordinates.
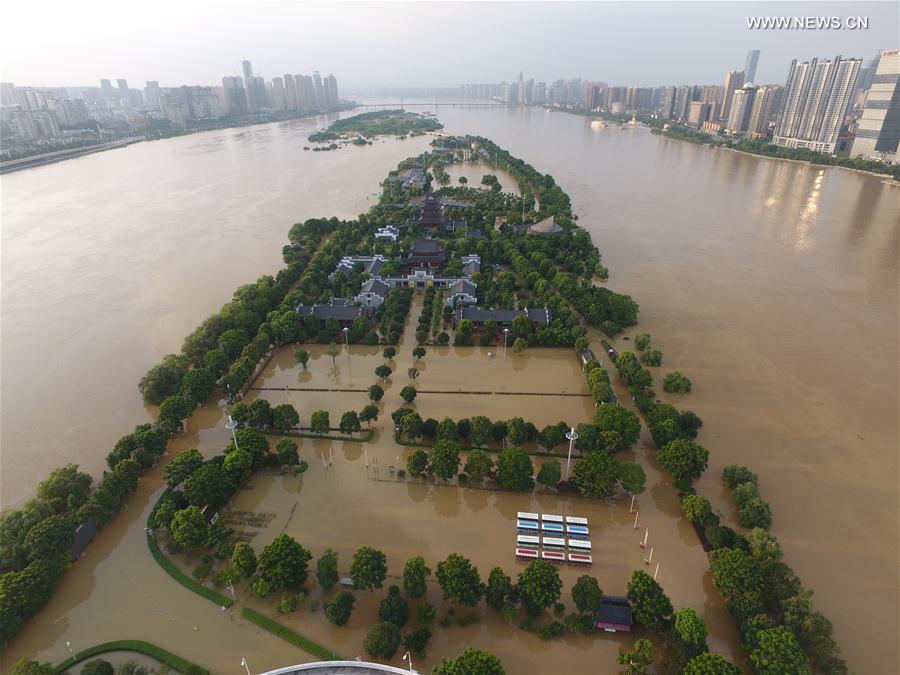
(772, 285)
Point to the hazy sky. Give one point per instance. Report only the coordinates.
(77, 42)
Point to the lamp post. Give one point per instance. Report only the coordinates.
(408, 658)
(505, 336)
(572, 436)
(70, 651)
(246, 667)
(346, 332)
(231, 425)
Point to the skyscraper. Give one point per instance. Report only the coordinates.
(733, 80)
(151, 93)
(750, 65)
(290, 92)
(235, 95)
(763, 101)
(279, 101)
(741, 107)
(331, 91)
(319, 90)
(816, 99)
(878, 134)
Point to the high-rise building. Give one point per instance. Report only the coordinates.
(319, 90)
(306, 92)
(8, 94)
(761, 112)
(331, 91)
(234, 94)
(247, 69)
(734, 80)
(750, 65)
(817, 96)
(699, 113)
(878, 134)
(106, 89)
(683, 98)
(741, 107)
(290, 92)
(151, 93)
(279, 99)
(667, 106)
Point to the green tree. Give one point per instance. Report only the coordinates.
(350, 422)
(243, 560)
(632, 477)
(382, 640)
(338, 612)
(595, 475)
(779, 652)
(237, 465)
(426, 613)
(383, 372)
(691, 628)
(375, 393)
(411, 424)
(710, 664)
(302, 357)
(418, 353)
(550, 473)
(210, 485)
(684, 458)
(550, 436)
(51, 538)
(368, 569)
(519, 346)
(327, 570)
(651, 606)
(447, 430)
(286, 449)
(478, 465)
(333, 351)
(445, 459)
(285, 417)
(389, 353)
(320, 422)
(260, 414)
(284, 564)
(735, 570)
(539, 586)
(197, 384)
(369, 414)
(652, 356)
(23, 667)
(696, 509)
(480, 433)
(612, 417)
(498, 588)
(413, 373)
(587, 594)
(183, 466)
(460, 581)
(515, 470)
(408, 394)
(163, 379)
(188, 527)
(415, 572)
(638, 659)
(677, 382)
(174, 409)
(416, 462)
(517, 431)
(394, 608)
(642, 341)
(65, 489)
(416, 640)
(469, 662)
(254, 442)
(98, 667)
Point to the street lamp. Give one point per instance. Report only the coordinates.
(408, 658)
(70, 651)
(346, 332)
(505, 336)
(572, 436)
(231, 425)
(246, 667)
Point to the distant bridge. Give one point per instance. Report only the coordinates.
(436, 104)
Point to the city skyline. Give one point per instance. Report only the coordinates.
(599, 40)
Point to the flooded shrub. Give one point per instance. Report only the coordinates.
(550, 631)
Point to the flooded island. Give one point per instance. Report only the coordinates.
(446, 447)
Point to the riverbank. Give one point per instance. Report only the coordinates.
(50, 157)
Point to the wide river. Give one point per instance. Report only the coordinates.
(773, 285)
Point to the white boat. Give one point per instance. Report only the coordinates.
(598, 124)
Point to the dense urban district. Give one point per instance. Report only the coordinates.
(447, 280)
